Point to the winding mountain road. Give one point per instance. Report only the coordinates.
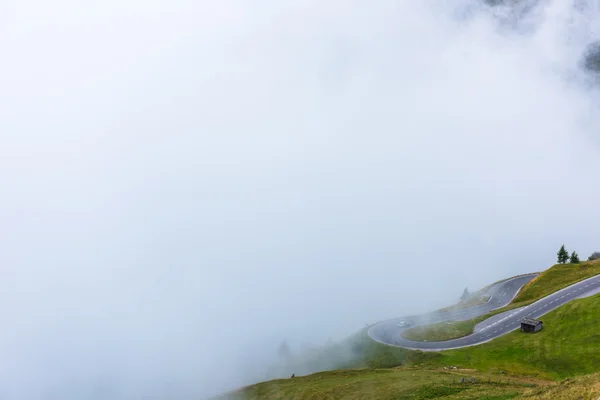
(501, 294)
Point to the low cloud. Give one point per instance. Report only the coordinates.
(184, 186)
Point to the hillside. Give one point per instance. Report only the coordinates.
(394, 383)
(566, 347)
(406, 384)
(560, 362)
(537, 366)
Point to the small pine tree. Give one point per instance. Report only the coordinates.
(563, 255)
(465, 295)
(574, 258)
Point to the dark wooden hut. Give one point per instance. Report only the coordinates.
(530, 325)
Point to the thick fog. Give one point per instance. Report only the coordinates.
(186, 184)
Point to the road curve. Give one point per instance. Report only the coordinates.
(501, 294)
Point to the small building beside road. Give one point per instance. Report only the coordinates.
(530, 325)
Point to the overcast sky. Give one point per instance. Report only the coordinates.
(184, 183)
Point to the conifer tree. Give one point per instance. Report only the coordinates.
(465, 295)
(574, 258)
(563, 255)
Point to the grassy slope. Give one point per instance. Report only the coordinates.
(567, 347)
(586, 387)
(397, 384)
(556, 278)
(553, 279)
(401, 384)
(359, 351)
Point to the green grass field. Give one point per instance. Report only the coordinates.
(396, 383)
(411, 384)
(553, 279)
(581, 388)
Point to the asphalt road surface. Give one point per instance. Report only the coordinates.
(501, 294)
